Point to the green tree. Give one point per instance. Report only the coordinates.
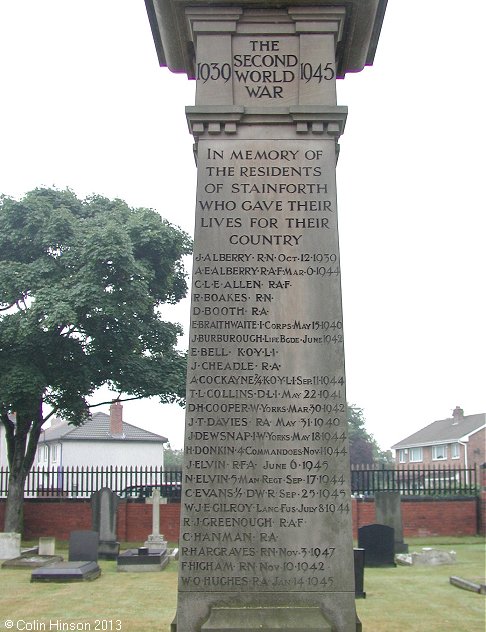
(363, 448)
(81, 283)
(173, 459)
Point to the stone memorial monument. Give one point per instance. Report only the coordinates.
(266, 540)
(388, 511)
(155, 541)
(104, 505)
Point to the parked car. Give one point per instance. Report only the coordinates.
(170, 491)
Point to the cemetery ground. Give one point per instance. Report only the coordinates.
(416, 599)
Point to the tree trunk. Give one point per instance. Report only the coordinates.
(15, 503)
(22, 439)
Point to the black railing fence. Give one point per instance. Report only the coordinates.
(140, 482)
(418, 481)
(81, 482)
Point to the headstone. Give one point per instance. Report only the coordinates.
(379, 544)
(9, 545)
(155, 541)
(104, 505)
(388, 512)
(359, 564)
(67, 572)
(83, 546)
(47, 546)
(266, 508)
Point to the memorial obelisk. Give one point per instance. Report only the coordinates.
(266, 537)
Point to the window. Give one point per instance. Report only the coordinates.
(455, 450)
(402, 458)
(54, 453)
(439, 452)
(42, 454)
(415, 455)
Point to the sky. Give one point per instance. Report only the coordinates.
(84, 105)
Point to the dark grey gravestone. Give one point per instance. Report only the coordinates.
(378, 541)
(67, 572)
(83, 546)
(388, 512)
(104, 505)
(359, 563)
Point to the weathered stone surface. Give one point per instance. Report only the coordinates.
(388, 511)
(47, 546)
(104, 505)
(266, 511)
(9, 545)
(427, 557)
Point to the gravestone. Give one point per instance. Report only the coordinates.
(155, 541)
(388, 511)
(9, 545)
(83, 546)
(359, 564)
(104, 505)
(47, 546)
(266, 534)
(82, 561)
(378, 541)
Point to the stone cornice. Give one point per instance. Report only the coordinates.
(326, 120)
(360, 28)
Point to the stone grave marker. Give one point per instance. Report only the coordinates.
(9, 545)
(47, 546)
(359, 564)
(82, 561)
(104, 505)
(83, 546)
(378, 542)
(155, 541)
(266, 533)
(388, 511)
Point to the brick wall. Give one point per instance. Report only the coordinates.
(58, 517)
(422, 517)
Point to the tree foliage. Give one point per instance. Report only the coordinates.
(81, 284)
(173, 458)
(363, 448)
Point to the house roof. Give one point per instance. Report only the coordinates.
(450, 430)
(97, 428)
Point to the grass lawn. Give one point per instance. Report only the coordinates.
(412, 599)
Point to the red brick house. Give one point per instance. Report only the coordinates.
(458, 441)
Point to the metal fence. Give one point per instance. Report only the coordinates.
(139, 482)
(417, 481)
(81, 482)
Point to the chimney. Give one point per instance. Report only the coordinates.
(458, 415)
(116, 419)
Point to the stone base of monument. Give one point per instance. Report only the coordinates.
(32, 561)
(67, 572)
(108, 550)
(155, 543)
(288, 619)
(142, 560)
